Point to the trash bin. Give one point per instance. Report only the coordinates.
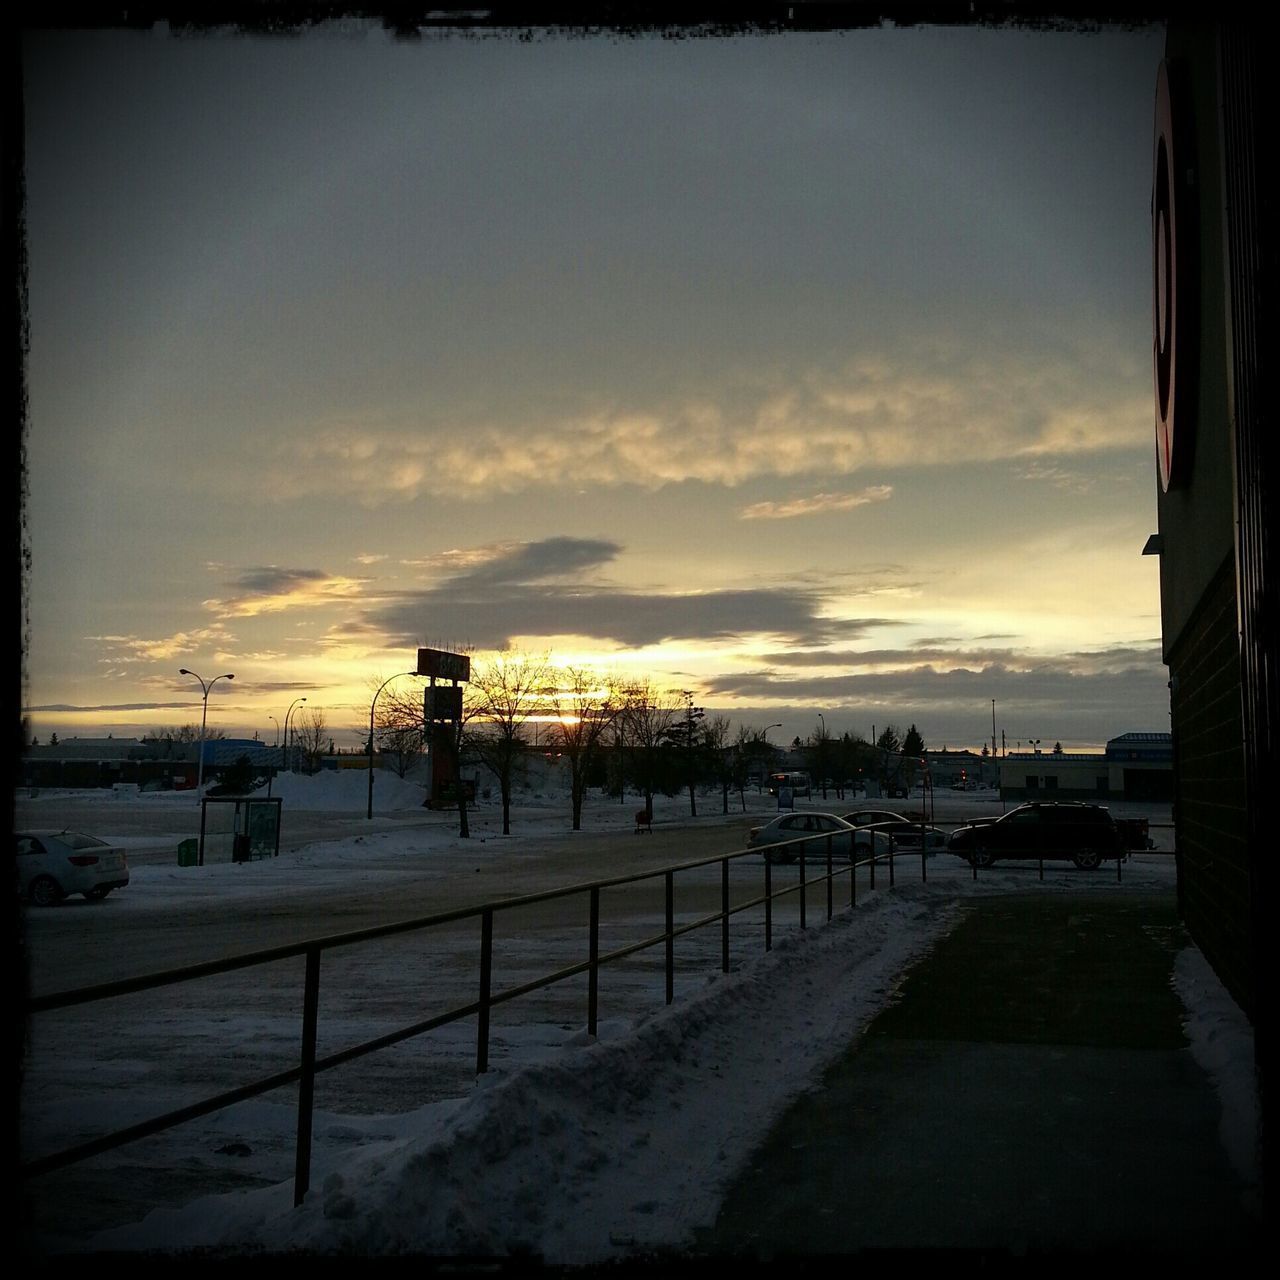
(240, 849)
(189, 853)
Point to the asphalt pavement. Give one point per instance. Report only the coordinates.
(1029, 1097)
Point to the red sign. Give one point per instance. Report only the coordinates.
(444, 665)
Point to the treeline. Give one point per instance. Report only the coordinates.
(617, 735)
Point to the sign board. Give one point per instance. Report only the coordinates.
(444, 665)
(442, 702)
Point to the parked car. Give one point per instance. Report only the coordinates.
(865, 817)
(875, 837)
(1085, 833)
(791, 826)
(51, 867)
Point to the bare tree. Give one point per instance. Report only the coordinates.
(399, 727)
(723, 757)
(587, 705)
(649, 715)
(818, 752)
(312, 737)
(501, 697)
(185, 734)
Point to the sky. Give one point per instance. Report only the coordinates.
(808, 372)
(639, 1130)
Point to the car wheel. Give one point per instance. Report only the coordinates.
(1088, 859)
(97, 894)
(982, 858)
(45, 891)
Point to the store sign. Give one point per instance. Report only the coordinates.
(442, 702)
(444, 665)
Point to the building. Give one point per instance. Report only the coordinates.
(1134, 766)
(1214, 296)
(958, 768)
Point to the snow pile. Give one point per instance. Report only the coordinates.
(611, 1146)
(1222, 1039)
(346, 789)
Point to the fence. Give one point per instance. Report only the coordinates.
(309, 1065)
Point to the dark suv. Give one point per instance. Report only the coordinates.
(1085, 833)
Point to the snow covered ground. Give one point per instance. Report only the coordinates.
(581, 1150)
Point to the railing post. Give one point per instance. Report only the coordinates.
(671, 937)
(768, 903)
(486, 987)
(307, 1082)
(853, 868)
(831, 888)
(924, 865)
(893, 841)
(804, 844)
(874, 855)
(724, 912)
(593, 956)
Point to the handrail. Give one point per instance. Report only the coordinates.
(310, 1065)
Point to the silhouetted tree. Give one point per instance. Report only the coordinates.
(588, 705)
(501, 696)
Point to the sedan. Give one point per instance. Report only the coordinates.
(865, 817)
(792, 826)
(51, 867)
(904, 835)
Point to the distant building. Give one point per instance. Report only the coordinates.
(104, 762)
(954, 768)
(1134, 766)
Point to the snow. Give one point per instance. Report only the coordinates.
(581, 1150)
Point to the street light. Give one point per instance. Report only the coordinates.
(275, 722)
(373, 704)
(284, 745)
(204, 715)
(822, 759)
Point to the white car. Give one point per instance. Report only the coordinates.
(791, 826)
(52, 867)
(875, 837)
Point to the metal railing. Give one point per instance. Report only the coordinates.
(309, 1065)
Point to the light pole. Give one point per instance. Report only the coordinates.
(284, 745)
(822, 758)
(275, 722)
(768, 750)
(204, 715)
(373, 704)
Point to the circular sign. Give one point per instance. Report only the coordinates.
(1173, 284)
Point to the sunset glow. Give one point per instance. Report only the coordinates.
(806, 373)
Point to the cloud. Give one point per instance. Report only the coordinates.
(509, 591)
(1045, 688)
(136, 649)
(816, 505)
(116, 706)
(923, 658)
(921, 405)
(1065, 478)
(270, 589)
(634, 619)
